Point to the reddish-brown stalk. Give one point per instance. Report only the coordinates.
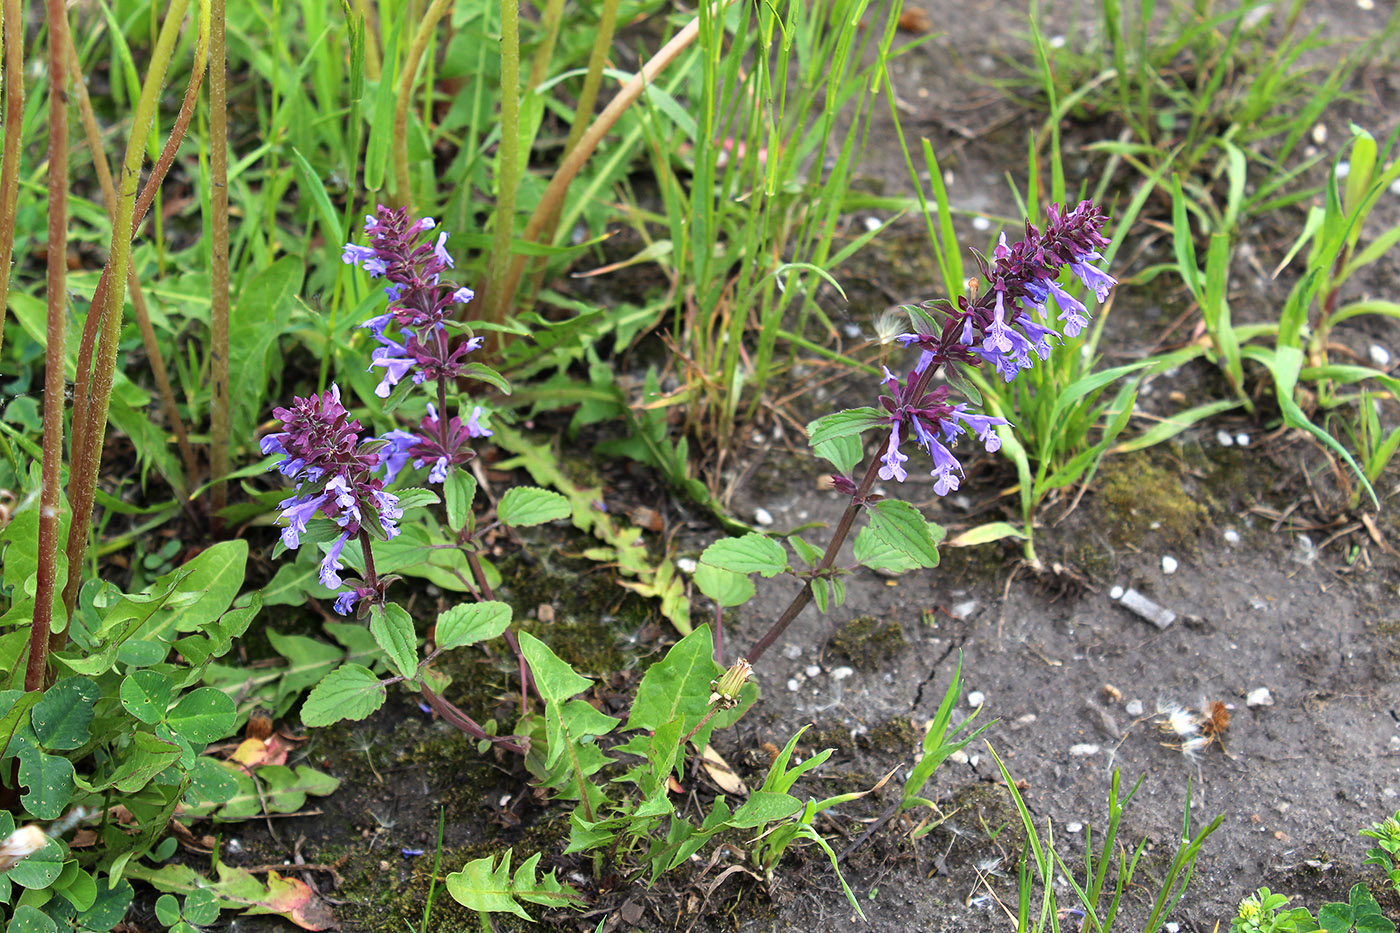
(219, 296)
(56, 337)
(13, 39)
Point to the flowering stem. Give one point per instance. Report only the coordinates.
(47, 582)
(838, 538)
(371, 578)
(527, 677)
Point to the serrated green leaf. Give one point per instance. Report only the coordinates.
(392, 628)
(486, 374)
(557, 682)
(871, 551)
(899, 525)
(459, 490)
(470, 623)
(844, 424)
(523, 506)
(146, 695)
(351, 691)
(416, 497)
(751, 553)
(203, 716)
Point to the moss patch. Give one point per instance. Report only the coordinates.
(867, 642)
(1142, 499)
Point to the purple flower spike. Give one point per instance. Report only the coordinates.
(353, 255)
(1093, 277)
(1072, 311)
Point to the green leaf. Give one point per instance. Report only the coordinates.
(557, 682)
(529, 505)
(872, 551)
(41, 868)
(844, 424)
(62, 716)
(459, 491)
(348, 692)
(203, 716)
(141, 761)
(484, 886)
(146, 695)
(17, 704)
(392, 628)
(76, 885)
(724, 586)
(899, 525)
(213, 579)
(28, 919)
(486, 374)
(50, 782)
(752, 553)
(470, 623)
(841, 452)
(678, 688)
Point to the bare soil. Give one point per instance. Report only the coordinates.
(1275, 586)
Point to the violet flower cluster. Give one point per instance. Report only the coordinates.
(321, 447)
(321, 444)
(1004, 325)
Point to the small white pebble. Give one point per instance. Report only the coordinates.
(1056, 42)
(965, 610)
(1231, 536)
(1395, 186)
(841, 673)
(1074, 827)
(1257, 604)
(812, 670)
(794, 684)
(1169, 564)
(1319, 134)
(851, 330)
(1259, 697)
(1083, 750)
(1025, 719)
(1116, 593)
(504, 801)
(958, 757)
(1380, 356)
(872, 224)
(792, 652)
(1171, 927)
(980, 223)
(962, 502)
(763, 516)
(1343, 170)
(975, 760)
(1242, 439)
(976, 698)
(1133, 708)
(686, 564)
(1367, 5)
(1224, 438)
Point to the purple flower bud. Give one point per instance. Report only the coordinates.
(1098, 280)
(474, 426)
(440, 251)
(331, 565)
(346, 601)
(463, 295)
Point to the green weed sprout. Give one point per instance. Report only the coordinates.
(1386, 853)
(1267, 912)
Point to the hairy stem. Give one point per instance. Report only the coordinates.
(838, 538)
(404, 193)
(164, 389)
(56, 337)
(12, 17)
(553, 195)
(218, 265)
(91, 403)
(498, 292)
